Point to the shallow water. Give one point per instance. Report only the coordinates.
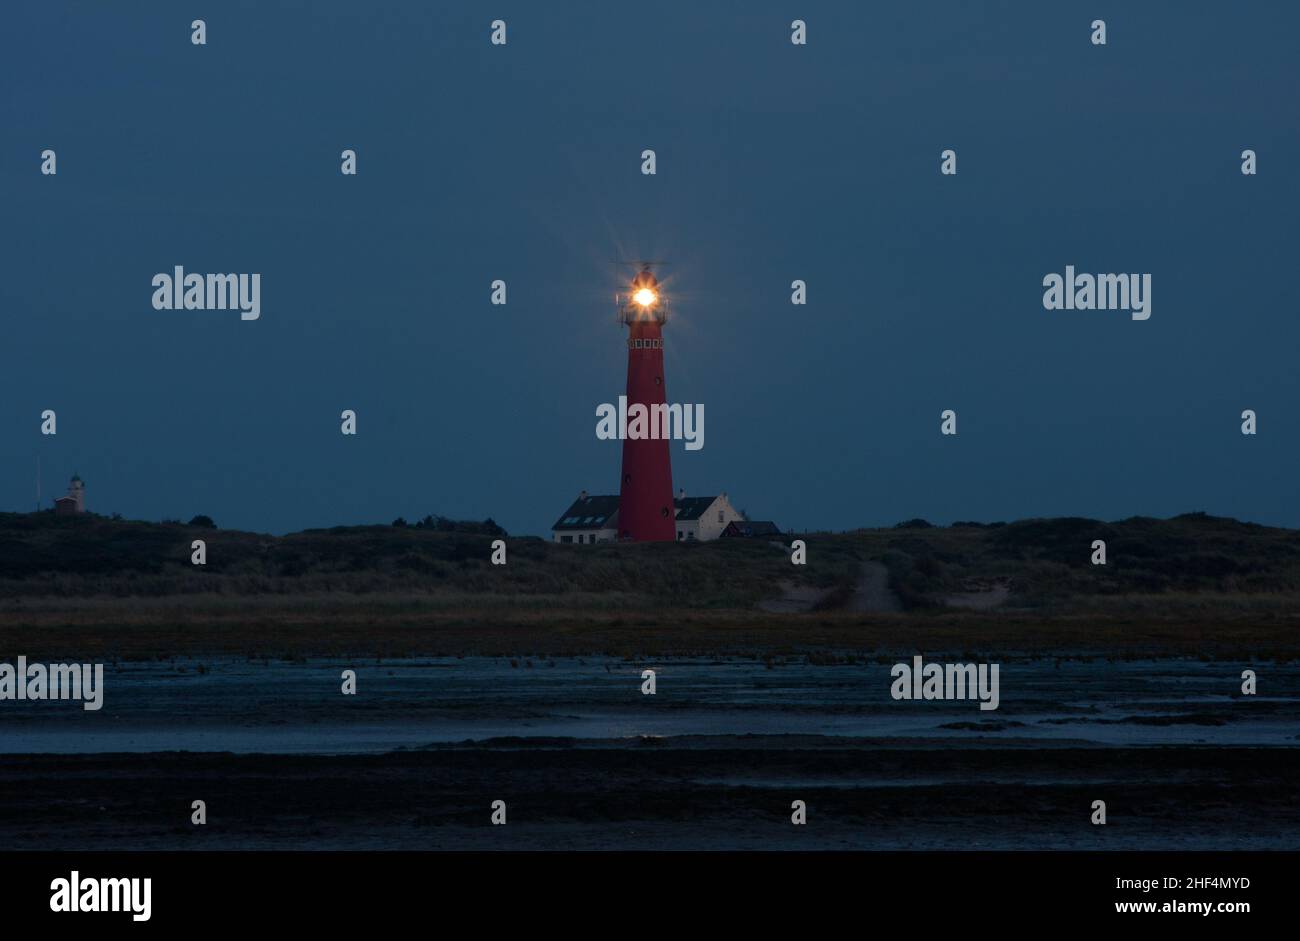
(297, 707)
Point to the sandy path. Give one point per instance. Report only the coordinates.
(873, 592)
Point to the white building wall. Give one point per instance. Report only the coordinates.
(601, 535)
(715, 519)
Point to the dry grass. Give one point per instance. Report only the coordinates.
(1190, 586)
(388, 626)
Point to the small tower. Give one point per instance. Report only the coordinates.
(77, 490)
(75, 501)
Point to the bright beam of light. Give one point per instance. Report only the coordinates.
(645, 297)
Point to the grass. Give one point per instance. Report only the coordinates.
(393, 626)
(1189, 586)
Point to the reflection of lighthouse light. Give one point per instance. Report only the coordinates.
(645, 297)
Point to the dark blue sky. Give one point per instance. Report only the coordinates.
(775, 162)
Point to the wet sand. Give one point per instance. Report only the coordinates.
(659, 794)
(712, 761)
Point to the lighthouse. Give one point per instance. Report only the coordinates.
(75, 501)
(645, 507)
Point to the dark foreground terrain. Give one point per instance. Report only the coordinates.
(521, 683)
(713, 760)
(662, 794)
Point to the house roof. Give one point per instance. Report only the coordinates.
(692, 508)
(754, 527)
(602, 512)
(590, 513)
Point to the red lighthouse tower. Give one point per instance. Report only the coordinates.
(645, 506)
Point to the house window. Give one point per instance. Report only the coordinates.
(566, 539)
(690, 535)
(679, 534)
(719, 516)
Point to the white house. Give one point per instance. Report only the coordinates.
(595, 519)
(703, 518)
